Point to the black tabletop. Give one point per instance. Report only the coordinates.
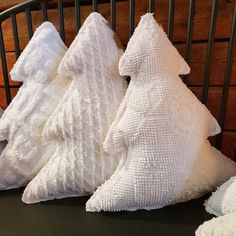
(67, 217)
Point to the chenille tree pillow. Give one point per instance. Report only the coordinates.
(80, 123)
(220, 226)
(161, 128)
(223, 200)
(23, 121)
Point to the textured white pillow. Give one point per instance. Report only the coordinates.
(220, 226)
(23, 121)
(81, 121)
(162, 128)
(223, 200)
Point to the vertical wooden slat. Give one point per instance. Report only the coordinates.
(44, 10)
(209, 51)
(77, 15)
(4, 68)
(151, 6)
(61, 19)
(131, 17)
(113, 15)
(29, 23)
(94, 6)
(228, 70)
(171, 19)
(187, 54)
(15, 35)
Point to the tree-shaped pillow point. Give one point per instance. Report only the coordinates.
(161, 129)
(39, 60)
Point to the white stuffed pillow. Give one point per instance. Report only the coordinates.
(23, 121)
(80, 123)
(161, 129)
(223, 200)
(220, 226)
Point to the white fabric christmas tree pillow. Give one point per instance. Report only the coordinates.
(162, 129)
(23, 121)
(80, 123)
(223, 200)
(220, 226)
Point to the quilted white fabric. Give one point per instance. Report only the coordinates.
(220, 226)
(23, 121)
(161, 129)
(223, 200)
(81, 121)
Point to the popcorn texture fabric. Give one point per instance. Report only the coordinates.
(161, 129)
(81, 121)
(223, 200)
(23, 121)
(220, 226)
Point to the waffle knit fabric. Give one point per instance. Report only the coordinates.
(81, 121)
(223, 200)
(161, 130)
(23, 121)
(220, 226)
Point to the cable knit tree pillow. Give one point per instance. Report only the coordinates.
(81, 121)
(162, 128)
(223, 200)
(220, 226)
(23, 121)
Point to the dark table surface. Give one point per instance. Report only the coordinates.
(67, 217)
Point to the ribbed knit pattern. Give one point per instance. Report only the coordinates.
(81, 121)
(223, 200)
(221, 226)
(161, 129)
(23, 121)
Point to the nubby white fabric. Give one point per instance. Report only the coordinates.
(222, 203)
(81, 121)
(223, 200)
(161, 129)
(23, 121)
(220, 226)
